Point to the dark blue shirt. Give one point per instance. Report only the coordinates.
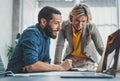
(32, 46)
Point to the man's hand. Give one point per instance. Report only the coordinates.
(66, 65)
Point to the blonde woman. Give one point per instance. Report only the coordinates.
(84, 40)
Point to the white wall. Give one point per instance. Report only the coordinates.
(5, 28)
(29, 13)
(28, 17)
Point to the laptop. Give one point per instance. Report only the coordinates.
(108, 64)
(3, 73)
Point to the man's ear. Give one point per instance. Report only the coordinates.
(43, 22)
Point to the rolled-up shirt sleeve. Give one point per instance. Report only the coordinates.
(35, 47)
(30, 48)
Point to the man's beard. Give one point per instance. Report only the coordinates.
(49, 32)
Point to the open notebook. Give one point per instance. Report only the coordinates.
(108, 64)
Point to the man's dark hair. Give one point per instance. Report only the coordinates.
(47, 12)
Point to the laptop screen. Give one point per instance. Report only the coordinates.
(111, 53)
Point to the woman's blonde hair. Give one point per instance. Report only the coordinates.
(80, 9)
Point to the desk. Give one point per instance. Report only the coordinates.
(55, 78)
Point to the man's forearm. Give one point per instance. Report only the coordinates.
(41, 66)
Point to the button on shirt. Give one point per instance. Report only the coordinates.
(32, 46)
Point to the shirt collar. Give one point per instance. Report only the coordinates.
(73, 29)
